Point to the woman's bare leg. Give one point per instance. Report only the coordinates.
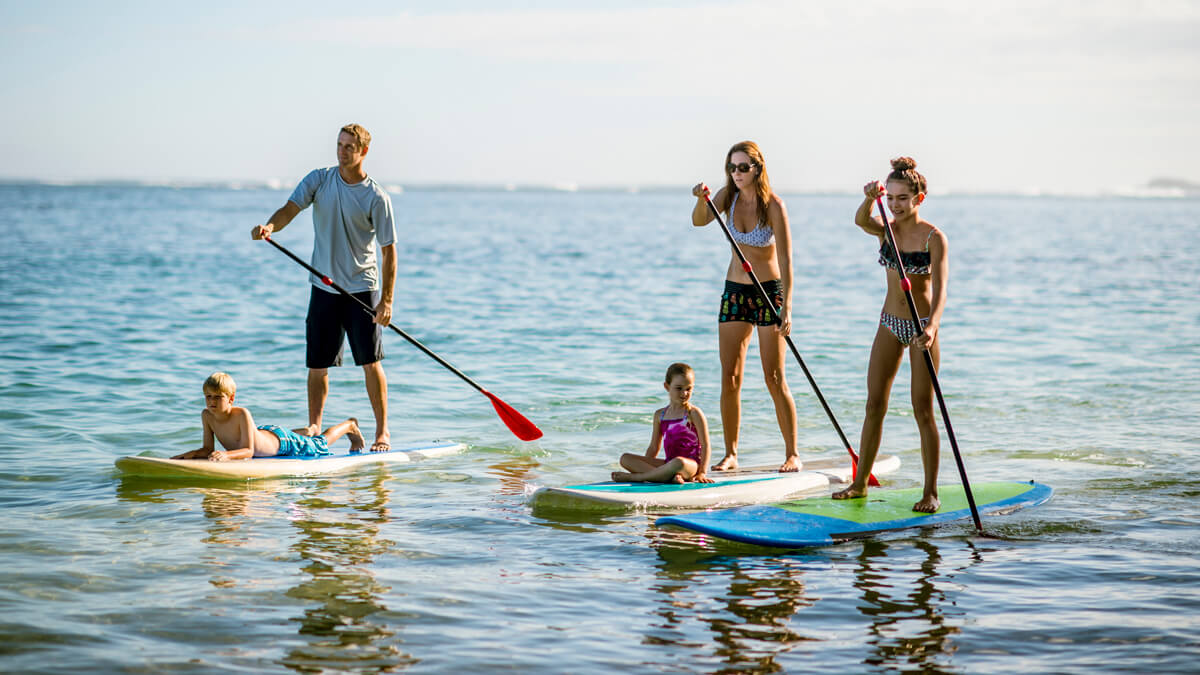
(771, 348)
(734, 339)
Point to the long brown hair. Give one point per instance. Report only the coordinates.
(762, 186)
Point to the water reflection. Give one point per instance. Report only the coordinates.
(750, 624)
(757, 611)
(337, 525)
(339, 538)
(907, 612)
(513, 474)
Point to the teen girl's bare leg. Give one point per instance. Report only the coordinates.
(771, 347)
(922, 400)
(886, 353)
(734, 339)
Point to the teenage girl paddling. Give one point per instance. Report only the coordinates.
(682, 431)
(924, 256)
(758, 221)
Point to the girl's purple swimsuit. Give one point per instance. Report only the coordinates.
(680, 439)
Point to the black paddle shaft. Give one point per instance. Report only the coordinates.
(906, 286)
(370, 310)
(776, 318)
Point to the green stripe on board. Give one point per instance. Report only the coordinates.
(884, 505)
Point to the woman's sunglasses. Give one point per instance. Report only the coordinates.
(740, 168)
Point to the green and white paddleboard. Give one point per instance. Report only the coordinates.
(280, 467)
(744, 486)
(820, 521)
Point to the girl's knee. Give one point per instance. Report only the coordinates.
(876, 408)
(925, 417)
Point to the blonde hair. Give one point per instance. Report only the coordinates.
(762, 184)
(677, 369)
(359, 133)
(221, 383)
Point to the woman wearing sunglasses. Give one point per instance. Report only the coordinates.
(758, 220)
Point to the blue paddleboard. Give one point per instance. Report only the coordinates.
(821, 521)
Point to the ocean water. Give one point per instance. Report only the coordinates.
(1071, 355)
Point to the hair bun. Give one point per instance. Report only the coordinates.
(904, 163)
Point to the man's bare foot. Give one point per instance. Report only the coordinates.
(928, 504)
(727, 463)
(851, 492)
(310, 430)
(357, 442)
(621, 476)
(381, 445)
(791, 464)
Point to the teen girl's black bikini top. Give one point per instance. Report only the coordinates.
(915, 262)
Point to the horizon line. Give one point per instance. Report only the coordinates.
(1155, 188)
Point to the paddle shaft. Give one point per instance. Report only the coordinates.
(776, 318)
(906, 286)
(371, 310)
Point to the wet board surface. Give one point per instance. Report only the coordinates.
(743, 486)
(281, 467)
(821, 521)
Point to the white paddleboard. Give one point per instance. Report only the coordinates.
(745, 486)
(281, 467)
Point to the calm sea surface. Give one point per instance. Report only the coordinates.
(1071, 355)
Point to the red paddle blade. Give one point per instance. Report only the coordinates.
(515, 421)
(871, 479)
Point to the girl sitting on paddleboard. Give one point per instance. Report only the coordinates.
(681, 429)
(924, 256)
(758, 222)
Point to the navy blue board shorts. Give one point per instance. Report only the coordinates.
(332, 317)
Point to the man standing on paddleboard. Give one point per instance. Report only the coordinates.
(351, 215)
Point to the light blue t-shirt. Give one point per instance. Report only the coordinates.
(348, 220)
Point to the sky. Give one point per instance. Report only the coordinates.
(1051, 96)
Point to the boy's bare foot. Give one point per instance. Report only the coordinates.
(357, 442)
(791, 464)
(928, 504)
(621, 476)
(850, 493)
(727, 463)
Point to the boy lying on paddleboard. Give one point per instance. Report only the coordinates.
(234, 428)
